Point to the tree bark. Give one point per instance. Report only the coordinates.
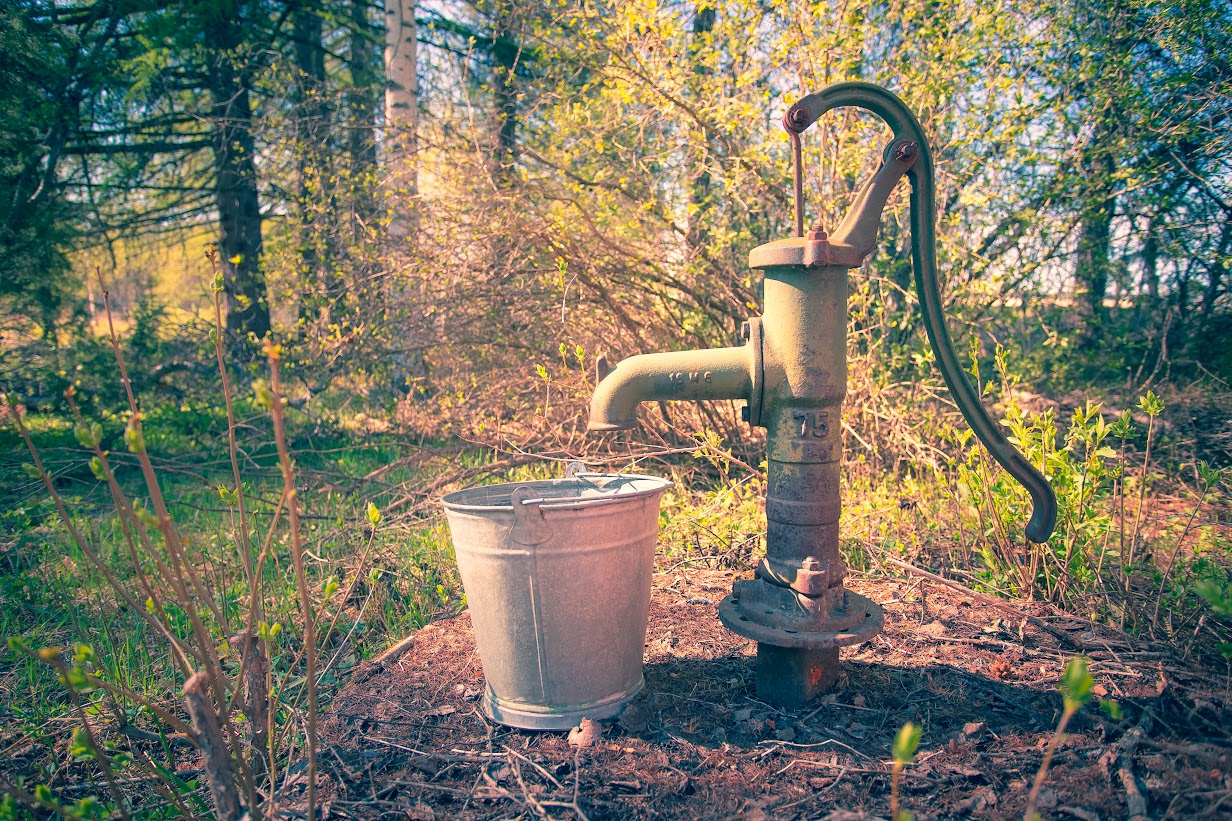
(361, 102)
(506, 51)
(236, 197)
(401, 110)
(219, 769)
(699, 148)
(312, 117)
(1217, 270)
(1093, 257)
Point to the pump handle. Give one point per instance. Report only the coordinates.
(924, 262)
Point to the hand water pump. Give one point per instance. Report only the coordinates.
(792, 372)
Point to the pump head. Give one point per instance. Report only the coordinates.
(792, 372)
(924, 262)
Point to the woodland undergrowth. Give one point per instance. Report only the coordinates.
(174, 627)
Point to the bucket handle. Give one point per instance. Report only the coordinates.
(529, 526)
(577, 469)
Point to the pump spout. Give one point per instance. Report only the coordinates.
(720, 373)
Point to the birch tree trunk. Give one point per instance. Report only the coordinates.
(401, 111)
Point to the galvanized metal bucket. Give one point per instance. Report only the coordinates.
(557, 576)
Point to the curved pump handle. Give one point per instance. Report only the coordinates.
(924, 261)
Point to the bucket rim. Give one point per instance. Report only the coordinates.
(660, 486)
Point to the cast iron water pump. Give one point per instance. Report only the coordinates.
(792, 372)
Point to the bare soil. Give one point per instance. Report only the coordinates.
(408, 739)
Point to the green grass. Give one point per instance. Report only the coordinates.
(51, 595)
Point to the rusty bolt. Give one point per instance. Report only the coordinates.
(817, 234)
(906, 151)
(810, 578)
(795, 119)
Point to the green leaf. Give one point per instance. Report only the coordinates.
(84, 654)
(1219, 598)
(374, 514)
(96, 467)
(147, 519)
(80, 746)
(84, 437)
(32, 471)
(1151, 403)
(1076, 684)
(1111, 708)
(263, 394)
(134, 437)
(1210, 476)
(906, 743)
(87, 808)
(77, 679)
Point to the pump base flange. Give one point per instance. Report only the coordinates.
(874, 619)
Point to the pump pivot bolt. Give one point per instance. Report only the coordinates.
(810, 563)
(906, 151)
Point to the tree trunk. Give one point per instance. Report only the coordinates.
(699, 147)
(506, 51)
(239, 208)
(1218, 269)
(1150, 263)
(401, 110)
(1092, 260)
(361, 102)
(312, 160)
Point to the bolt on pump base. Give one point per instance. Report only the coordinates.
(792, 372)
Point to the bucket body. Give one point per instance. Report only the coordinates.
(557, 576)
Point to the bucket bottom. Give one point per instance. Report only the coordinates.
(538, 717)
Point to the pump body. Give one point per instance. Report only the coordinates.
(792, 373)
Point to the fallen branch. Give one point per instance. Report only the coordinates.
(1122, 755)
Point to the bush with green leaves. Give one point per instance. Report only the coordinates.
(1110, 552)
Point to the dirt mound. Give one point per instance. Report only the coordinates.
(407, 737)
